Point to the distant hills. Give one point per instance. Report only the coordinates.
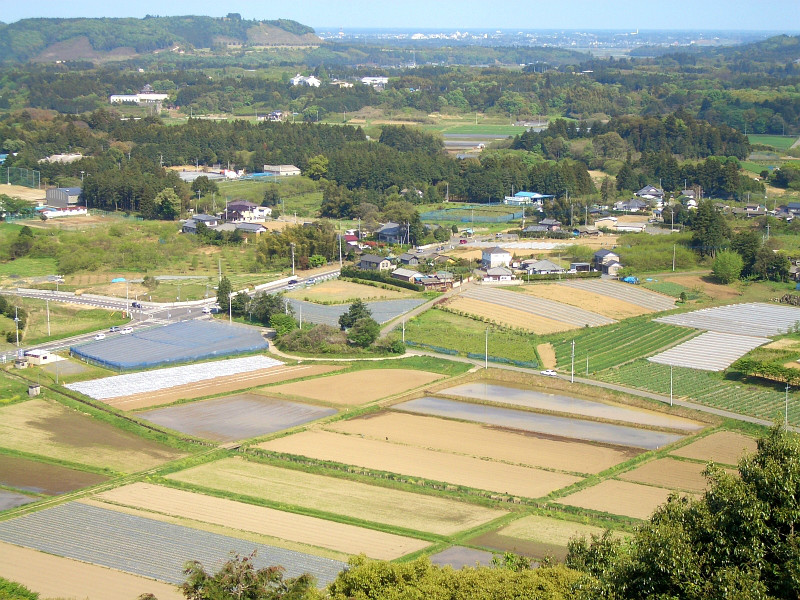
(47, 40)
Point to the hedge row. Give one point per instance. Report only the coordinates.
(356, 273)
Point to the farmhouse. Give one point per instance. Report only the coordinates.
(586, 231)
(498, 274)
(242, 211)
(495, 257)
(281, 170)
(250, 228)
(650, 192)
(603, 257)
(406, 275)
(372, 262)
(551, 224)
(63, 197)
(611, 268)
(389, 233)
(534, 230)
(441, 281)
(632, 205)
(190, 226)
(540, 267)
(409, 259)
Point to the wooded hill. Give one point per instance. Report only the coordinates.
(98, 39)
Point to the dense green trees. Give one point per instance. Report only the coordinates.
(710, 231)
(727, 266)
(224, 291)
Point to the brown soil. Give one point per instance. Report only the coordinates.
(429, 464)
(57, 577)
(265, 521)
(597, 303)
(547, 354)
(52, 430)
(725, 447)
(43, 478)
(716, 291)
(336, 290)
(218, 385)
(619, 498)
(671, 474)
(22, 192)
(358, 387)
(510, 317)
(482, 441)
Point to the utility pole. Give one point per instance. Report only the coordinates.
(673, 258)
(47, 305)
(220, 269)
(787, 405)
(292, 258)
(16, 323)
(486, 355)
(670, 385)
(404, 331)
(572, 376)
(340, 251)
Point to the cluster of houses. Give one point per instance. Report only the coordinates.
(378, 82)
(239, 215)
(401, 268)
(499, 265)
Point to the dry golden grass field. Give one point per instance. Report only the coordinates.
(336, 291)
(725, 447)
(619, 498)
(510, 317)
(418, 462)
(340, 537)
(219, 385)
(47, 428)
(547, 354)
(603, 305)
(357, 387)
(483, 441)
(56, 577)
(370, 503)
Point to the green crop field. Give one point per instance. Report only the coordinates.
(29, 267)
(614, 344)
(442, 329)
(670, 288)
(485, 129)
(759, 399)
(781, 142)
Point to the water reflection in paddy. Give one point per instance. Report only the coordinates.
(539, 423)
(493, 392)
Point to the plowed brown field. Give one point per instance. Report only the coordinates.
(724, 447)
(619, 498)
(357, 387)
(510, 317)
(602, 305)
(483, 441)
(670, 473)
(418, 462)
(218, 385)
(265, 521)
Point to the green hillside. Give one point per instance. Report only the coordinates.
(26, 39)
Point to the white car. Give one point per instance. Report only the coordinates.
(548, 373)
(126, 330)
(206, 310)
(100, 336)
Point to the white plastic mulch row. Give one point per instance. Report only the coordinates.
(710, 351)
(150, 381)
(753, 318)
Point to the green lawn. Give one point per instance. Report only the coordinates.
(12, 390)
(28, 267)
(461, 335)
(781, 142)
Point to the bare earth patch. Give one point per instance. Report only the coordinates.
(714, 290)
(339, 496)
(218, 385)
(603, 305)
(536, 528)
(418, 462)
(726, 447)
(338, 291)
(50, 429)
(57, 577)
(783, 344)
(357, 387)
(510, 317)
(619, 498)
(23, 193)
(265, 521)
(482, 441)
(671, 474)
(547, 354)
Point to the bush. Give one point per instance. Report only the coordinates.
(282, 323)
(364, 332)
(356, 273)
(727, 266)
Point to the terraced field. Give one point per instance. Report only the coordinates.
(615, 344)
(537, 306)
(623, 291)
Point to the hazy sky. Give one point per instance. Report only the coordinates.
(777, 15)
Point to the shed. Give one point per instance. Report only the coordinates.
(41, 357)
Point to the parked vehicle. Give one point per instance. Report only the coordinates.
(100, 336)
(126, 330)
(462, 241)
(548, 373)
(114, 329)
(206, 310)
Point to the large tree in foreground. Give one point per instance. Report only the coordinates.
(741, 540)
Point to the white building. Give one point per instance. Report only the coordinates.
(495, 257)
(310, 81)
(281, 170)
(375, 81)
(140, 99)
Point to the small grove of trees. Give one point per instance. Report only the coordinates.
(362, 330)
(10, 310)
(727, 266)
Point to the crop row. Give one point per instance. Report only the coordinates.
(707, 388)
